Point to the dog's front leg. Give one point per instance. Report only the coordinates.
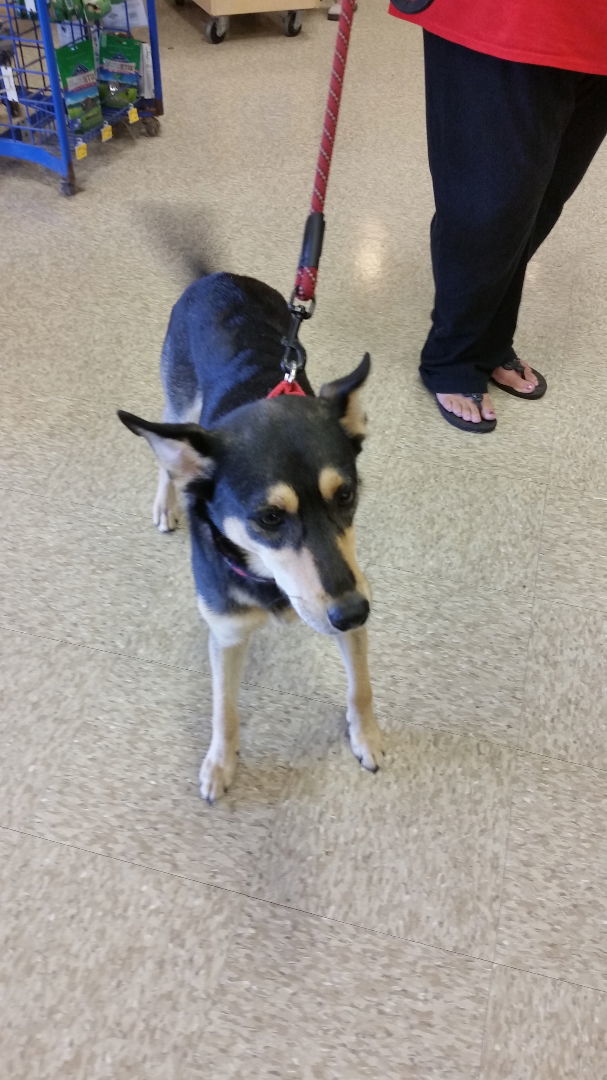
(365, 735)
(218, 768)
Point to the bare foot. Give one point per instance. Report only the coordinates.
(525, 383)
(463, 406)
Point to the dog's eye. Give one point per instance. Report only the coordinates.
(345, 496)
(271, 518)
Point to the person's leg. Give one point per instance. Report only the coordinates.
(494, 134)
(582, 138)
(579, 144)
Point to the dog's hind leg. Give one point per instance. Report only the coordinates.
(165, 512)
(365, 735)
(229, 637)
(183, 403)
(166, 509)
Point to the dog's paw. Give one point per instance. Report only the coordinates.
(367, 742)
(166, 522)
(165, 518)
(216, 774)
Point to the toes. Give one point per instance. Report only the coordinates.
(471, 413)
(460, 406)
(447, 402)
(487, 410)
(367, 745)
(216, 775)
(524, 383)
(165, 518)
(167, 523)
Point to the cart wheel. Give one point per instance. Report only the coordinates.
(150, 126)
(292, 23)
(216, 29)
(67, 187)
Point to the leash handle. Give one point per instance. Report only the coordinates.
(307, 273)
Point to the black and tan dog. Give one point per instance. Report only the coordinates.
(271, 489)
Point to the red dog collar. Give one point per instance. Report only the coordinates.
(287, 387)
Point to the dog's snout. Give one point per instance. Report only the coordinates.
(349, 611)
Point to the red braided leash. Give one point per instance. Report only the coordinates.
(305, 282)
(302, 300)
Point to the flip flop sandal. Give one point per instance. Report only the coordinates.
(481, 428)
(515, 365)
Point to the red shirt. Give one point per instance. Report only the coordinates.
(570, 34)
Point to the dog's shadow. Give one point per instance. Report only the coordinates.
(186, 245)
(323, 760)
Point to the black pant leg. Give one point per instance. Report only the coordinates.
(494, 135)
(580, 142)
(582, 138)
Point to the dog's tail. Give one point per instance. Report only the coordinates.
(185, 242)
(195, 265)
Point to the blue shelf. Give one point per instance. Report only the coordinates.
(35, 127)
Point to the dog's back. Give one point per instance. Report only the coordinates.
(223, 347)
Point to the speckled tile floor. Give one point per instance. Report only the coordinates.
(443, 920)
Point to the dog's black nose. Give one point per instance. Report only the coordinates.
(350, 611)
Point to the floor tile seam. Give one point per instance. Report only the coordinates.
(582, 606)
(496, 966)
(525, 681)
(267, 902)
(106, 650)
(523, 751)
(505, 856)
(524, 685)
(551, 469)
(485, 1031)
(561, 487)
(558, 979)
(80, 506)
(326, 920)
(518, 593)
(558, 602)
(522, 595)
(247, 685)
(374, 473)
(316, 916)
(437, 583)
(83, 404)
(534, 588)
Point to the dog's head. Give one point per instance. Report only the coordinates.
(279, 479)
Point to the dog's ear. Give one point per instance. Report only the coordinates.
(184, 450)
(344, 394)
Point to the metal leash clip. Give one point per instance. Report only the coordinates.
(294, 356)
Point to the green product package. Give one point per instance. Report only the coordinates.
(83, 10)
(119, 70)
(62, 10)
(76, 64)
